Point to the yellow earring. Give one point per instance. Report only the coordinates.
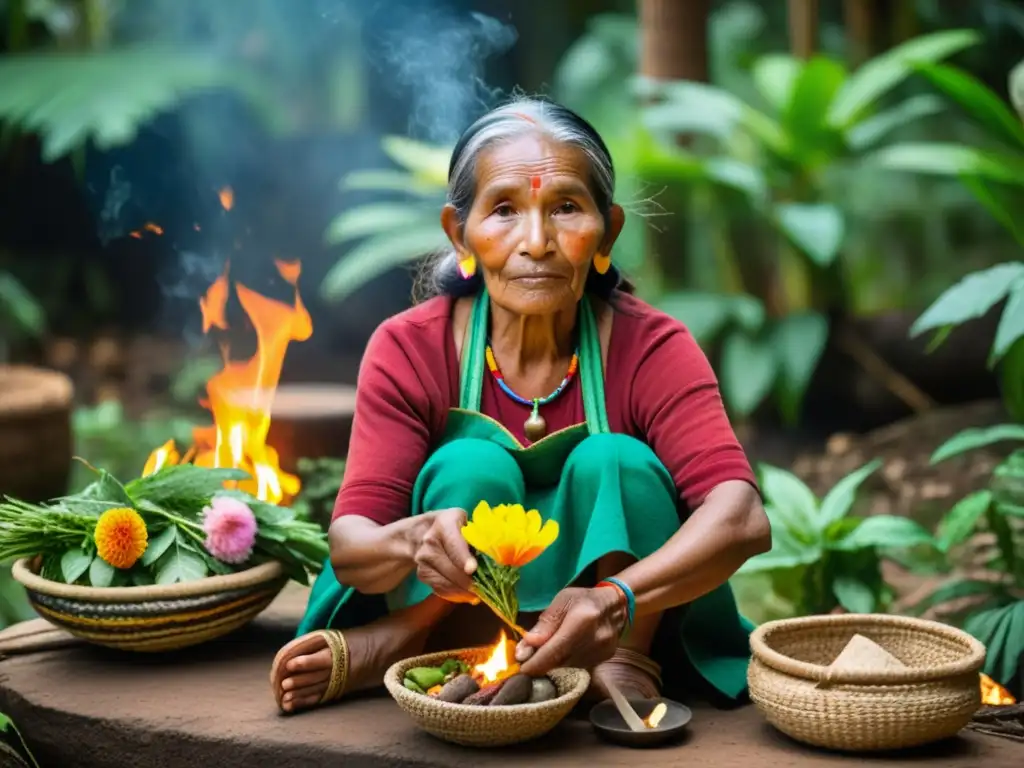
(602, 263)
(467, 266)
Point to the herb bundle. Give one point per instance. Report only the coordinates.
(176, 525)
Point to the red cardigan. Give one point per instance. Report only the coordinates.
(659, 388)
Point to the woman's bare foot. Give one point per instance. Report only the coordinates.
(634, 682)
(302, 668)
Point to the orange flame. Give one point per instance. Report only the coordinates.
(241, 394)
(149, 226)
(499, 664)
(993, 694)
(165, 455)
(227, 198)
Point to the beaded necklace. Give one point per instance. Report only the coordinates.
(535, 426)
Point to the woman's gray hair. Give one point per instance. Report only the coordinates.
(440, 274)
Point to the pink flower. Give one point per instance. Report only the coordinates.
(230, 529)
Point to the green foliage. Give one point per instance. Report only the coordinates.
(822, 556)
(105, 96)
(972, 298)
(805, 123)
(1002, 632)
(13, 746)
(21, 314)
(393, 233)
(321, 481)
(120, 443)
(994, 611)
(172, 504)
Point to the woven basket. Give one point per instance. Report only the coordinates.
(475, 726)
(35, 433)
(155, 618)
(932, 699)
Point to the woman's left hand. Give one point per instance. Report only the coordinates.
(580, 628)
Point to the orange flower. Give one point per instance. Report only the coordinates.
(121, 537)
(509, 534)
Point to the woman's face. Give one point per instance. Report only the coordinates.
(534, 227)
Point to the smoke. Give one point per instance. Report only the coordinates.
(436, 59)
(338, 74)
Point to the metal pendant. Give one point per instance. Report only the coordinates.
(535, 426)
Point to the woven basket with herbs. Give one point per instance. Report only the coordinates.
(164, 561)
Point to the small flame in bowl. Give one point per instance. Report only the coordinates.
(499, 664)
(653, 720)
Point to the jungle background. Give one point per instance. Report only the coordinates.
(827, 192)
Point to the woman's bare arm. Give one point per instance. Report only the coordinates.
(377, 558)
(371, 557)
(723, 533)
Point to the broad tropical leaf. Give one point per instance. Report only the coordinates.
(794, 503)
(884, 531)
(870, 131)
(816, 229)
(19, 310)
(854, 595)
(748, 372)
(775, 75)
(942, 159)
(960, 521)
(883, 73)
(977, 100)
(378, 255)
(978, 437)
(799, 341)
(106, 96)
(805, 117)
(839, 500)
(1011, 323)
(970, 298)
(427, 162)
(707, 314)
(377, 218)
(1001, 630)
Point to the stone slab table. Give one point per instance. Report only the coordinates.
(85, 707)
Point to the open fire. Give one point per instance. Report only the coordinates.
(500, 664)
(993, 694)
(240, 396)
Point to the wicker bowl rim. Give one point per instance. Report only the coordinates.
(393, 682)
(970, 662)
(24, 571)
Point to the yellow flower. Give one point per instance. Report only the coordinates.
(120, 537)
(508, 534)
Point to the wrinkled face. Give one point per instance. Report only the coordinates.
(534, 227)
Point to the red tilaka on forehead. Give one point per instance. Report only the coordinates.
(534, 185)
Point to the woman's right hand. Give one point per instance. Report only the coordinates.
(443, 560)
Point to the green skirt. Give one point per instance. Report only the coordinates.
(613, 495)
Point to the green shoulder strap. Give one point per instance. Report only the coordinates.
(591, 372)
(474, 344)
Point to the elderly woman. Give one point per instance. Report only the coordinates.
(533, 376)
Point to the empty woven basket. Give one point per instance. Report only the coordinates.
(932, 699)
(477, 726)
(154, 618)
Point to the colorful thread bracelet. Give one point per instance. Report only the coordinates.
(622, 587)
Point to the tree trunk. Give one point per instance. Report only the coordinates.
(803, 27)
(674, 46)
(860, 17)
(674, 39)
